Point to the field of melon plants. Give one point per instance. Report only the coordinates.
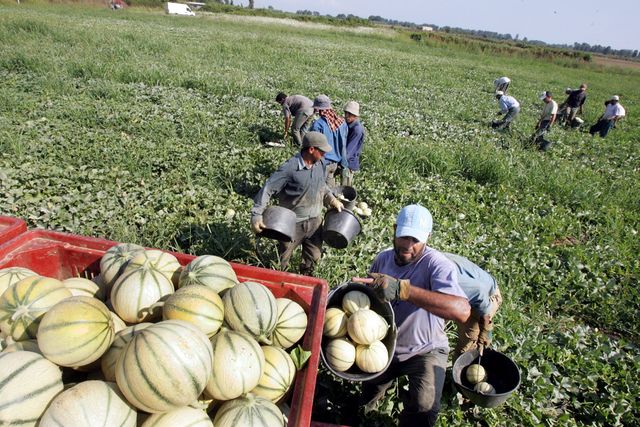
(145, 128)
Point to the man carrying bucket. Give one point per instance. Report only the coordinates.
(422, 284)
(485, 299)
(300, 184)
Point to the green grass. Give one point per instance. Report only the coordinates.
(144, 128)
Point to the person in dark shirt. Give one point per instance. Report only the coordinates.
(355, 141)
(574, 103)
(300, 184)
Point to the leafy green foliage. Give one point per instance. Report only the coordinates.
(146, 128)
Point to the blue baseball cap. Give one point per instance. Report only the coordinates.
(414, 221)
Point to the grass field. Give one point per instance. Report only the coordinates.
(146, 128)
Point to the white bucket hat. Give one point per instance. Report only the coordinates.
(352, 107)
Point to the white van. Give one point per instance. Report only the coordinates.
(178, 9)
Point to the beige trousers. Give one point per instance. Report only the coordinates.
(469, 332)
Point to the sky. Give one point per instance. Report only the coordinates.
(614, 24)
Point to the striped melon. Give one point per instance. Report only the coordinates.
(89, 404)
(28, 383)
(136, 290)
(335, 323)
(160, 260)
(249, 411)
(76, 331)
(114, 261)
(165, 366)
(372, 357)
(185, 416)
(366, 326)
(209, 270)
(79, 286)
(196, 304)
(251, 307)
(291, 324)
(353, 301)
(118, 323)
(110, 357)
(340, 353)
(238, 363)
(26, 345)
(278, 375)
(23, 305)
(12, 275)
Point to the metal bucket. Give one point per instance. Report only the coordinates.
(280, 223)
(384, 309)
(502, 373)
(340, 228)
(349, 196)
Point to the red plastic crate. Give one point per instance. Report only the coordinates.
(63, 255)
(11, 227)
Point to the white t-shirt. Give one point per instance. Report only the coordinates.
(550, 108)
(613, 110)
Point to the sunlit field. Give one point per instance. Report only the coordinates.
(146, 128)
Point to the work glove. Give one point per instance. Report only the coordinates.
(389, 288)
(257, 225)
(337, 204)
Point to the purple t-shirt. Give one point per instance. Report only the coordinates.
(419, 331)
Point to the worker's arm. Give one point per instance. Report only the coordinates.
(287, 124)
(553, 120)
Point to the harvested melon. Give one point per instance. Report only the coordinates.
(353, 301)
(211, 271)
(196, 304)
(366, 326)
(340, 353)
(291, 324)
(277, 377)
(251, 307)
(372, 358)
(249, 411)
(335, 323)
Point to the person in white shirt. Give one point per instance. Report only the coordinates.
(509, 106)
(613, 112)
(502, 84)
(547, 119)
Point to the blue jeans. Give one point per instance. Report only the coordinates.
(426, 373)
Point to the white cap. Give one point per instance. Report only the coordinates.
(352, 107)
(414, 221)
(615, 98)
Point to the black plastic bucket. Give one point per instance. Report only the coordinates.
(340, 228)
(280, 223)
(349, 196)
(384, 309)
(502, 373)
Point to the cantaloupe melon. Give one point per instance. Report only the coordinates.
(211, 271)
(249, 411)
(23, 305)
(162, 261)
(237, 366)
(372, 358)
(89, 404)
(28, 383)
(353, 301)
(251, 307)
(165, 366)
(335, 323)
(291, 324)
(122, 338)
(185, 416)
(196, 304)
(114, 261)
(366, 326)
(76, 332)
(340, 353)
(12, 275)
(278, 375)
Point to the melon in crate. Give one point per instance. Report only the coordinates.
(28, 383)
(137, 290)
(277, 377)
(79, 286)
(291, 324)
(249, 411)
(162, 261)
(335, 323)
(196, 304)
(76, 332)
(372, 358)
(185, 416)
(26, 345)
(251, 307)
(238, 363)
(353, 301)
(340, 353)
(110, 357)
(12, 275)
(23, 305)
(90, 404)
(114, 261)
(366, 326)
(211, 271)
(165, 366)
